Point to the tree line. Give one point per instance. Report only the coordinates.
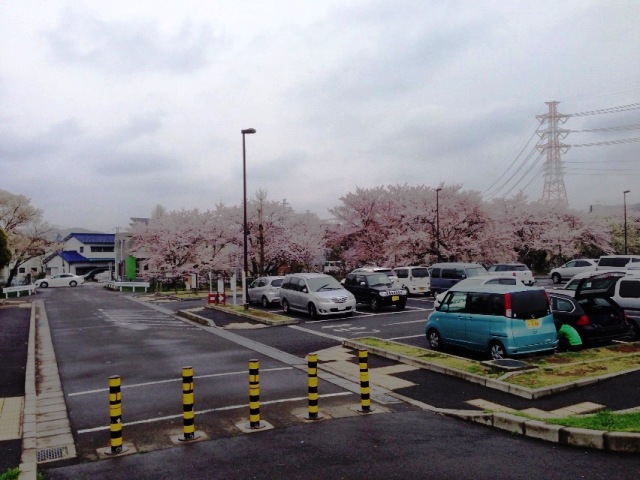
(389, 225)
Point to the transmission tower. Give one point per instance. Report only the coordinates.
(554, 192)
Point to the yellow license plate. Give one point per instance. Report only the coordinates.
(395, 298)
(533, 323)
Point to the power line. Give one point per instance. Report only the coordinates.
(621, 108)
(609, 142)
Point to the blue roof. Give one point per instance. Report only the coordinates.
(71, 256)
(93, 237)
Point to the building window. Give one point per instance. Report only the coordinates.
(95, 248)
(81, 249)
(21, 270)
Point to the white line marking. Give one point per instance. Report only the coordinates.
(422, 320)
(146, 384)
(210, 410)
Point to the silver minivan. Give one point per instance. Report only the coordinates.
(317, 294)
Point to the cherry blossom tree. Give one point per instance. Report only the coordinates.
(28, 235)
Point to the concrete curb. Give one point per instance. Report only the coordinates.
(524, 392)
(198, 318)
(623, 442)
(28, 464)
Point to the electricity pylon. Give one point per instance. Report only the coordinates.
(554, 192)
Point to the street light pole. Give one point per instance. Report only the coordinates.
(624, 194)
(438, 221)
(245, 271)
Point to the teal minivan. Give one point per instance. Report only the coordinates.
(501, 320)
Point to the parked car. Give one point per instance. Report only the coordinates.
(500, 320)
(317, 294)
(591, 311)
(385, 270)
(333, 266)
(60, 280)
(265, 290)
(375, 290)
(616, 262)
(413, 279)
(480, 280)
(91, 276)
(518, 270)
(572, 268)
(570, 287)
(446, 275)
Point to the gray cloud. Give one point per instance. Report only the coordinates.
(130, 47)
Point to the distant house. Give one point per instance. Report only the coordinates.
(81, 253)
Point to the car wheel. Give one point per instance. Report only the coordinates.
(406, 290)
(44, 284)
(434, 339)
(285, 306)
(556, 278)
(313, 313)
(73, 283)
(265, 302)
(375, 304)
(496, 350)
(401, 305)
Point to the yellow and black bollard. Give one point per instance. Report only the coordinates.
(115, 416)
(254, 395)
(365, 398)
(313, 387)
(188, 405)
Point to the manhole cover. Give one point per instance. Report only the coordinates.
(509, 364)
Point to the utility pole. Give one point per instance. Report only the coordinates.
(554, 192)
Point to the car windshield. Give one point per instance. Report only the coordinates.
(476, 271)
(323, 283)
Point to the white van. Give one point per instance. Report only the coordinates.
(413, 279)
(616, 262)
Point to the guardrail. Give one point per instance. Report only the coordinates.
(20, 288)
(132, 285)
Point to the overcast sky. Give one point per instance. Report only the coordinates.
(110, 108)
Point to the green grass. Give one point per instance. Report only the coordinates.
(11, 474)
(552, 369)
(603, 420)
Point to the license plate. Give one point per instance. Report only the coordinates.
(395, 298)
(533, 323)
(421, 289)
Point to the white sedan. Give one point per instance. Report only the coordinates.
(60, 280)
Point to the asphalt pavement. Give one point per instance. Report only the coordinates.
(403, 444)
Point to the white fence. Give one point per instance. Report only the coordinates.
(30, 289)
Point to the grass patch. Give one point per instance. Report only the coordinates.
(552, 369)
(10, 474)
(239, 309)
(603, 420)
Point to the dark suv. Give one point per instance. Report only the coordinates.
(375, 289)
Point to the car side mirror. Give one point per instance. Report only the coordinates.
(304, 290)
(363, 284)
(443, 308)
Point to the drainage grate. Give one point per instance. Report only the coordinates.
(51, 454)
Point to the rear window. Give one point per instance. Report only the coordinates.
(420, 272)
(277, 282)
(533, 304)
(614, 262)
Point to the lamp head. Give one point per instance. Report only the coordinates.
(248, 131)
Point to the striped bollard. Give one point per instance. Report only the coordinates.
(313, 387)
(254, 395)
(188, 406)
(365, 399)
(115, 416)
